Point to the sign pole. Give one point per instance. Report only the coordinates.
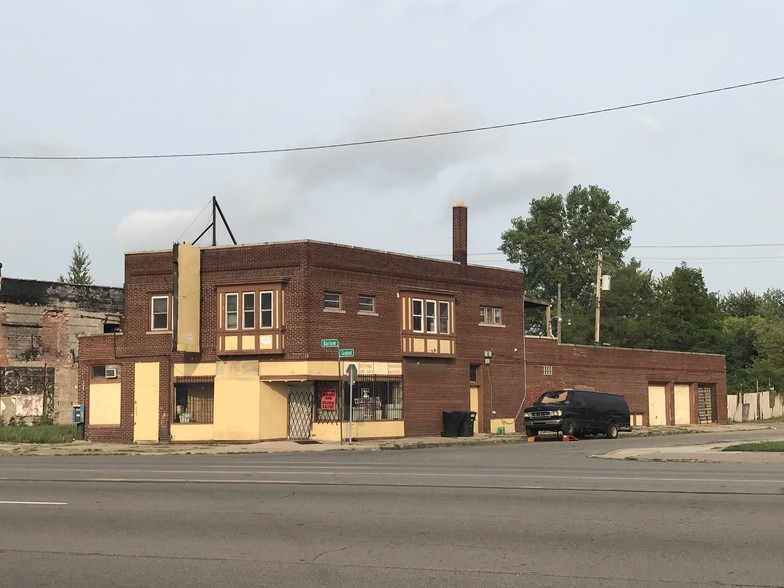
(340, 399)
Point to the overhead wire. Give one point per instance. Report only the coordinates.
(393, 139)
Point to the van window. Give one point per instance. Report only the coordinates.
(554, 397)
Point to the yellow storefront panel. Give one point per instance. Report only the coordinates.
(237, 401)
(657, 406)
(191, 433)
(273, 421)
(146, 399)
(359, 430)
(193, 369)
(104, 404)
(682, 398)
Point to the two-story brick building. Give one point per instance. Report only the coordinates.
(244, 343)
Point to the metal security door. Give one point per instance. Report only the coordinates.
(300, 412)
(706, 404)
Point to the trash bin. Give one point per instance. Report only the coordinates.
(451, 424)
(467, 419)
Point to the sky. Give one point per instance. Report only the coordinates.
(702, 176)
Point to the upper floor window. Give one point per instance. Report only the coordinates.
(231, 311)
(490, 315)
(431, 316)
(265, 310)
(367, 304)
(416, 316)
(160, 313)
(443, 318)
(332, 301)
(250, 317)
(248, 310)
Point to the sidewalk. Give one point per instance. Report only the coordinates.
(692, 453)
(284, 446)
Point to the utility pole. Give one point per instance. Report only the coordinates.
(560, 320)
(598, 295)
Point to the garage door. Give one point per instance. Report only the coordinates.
(682, 404)
(657, 406)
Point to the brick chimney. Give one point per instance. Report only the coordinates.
(460, 233)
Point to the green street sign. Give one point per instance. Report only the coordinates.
(329, 342)
(345, 353)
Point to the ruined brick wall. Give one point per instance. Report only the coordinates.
(40, 325)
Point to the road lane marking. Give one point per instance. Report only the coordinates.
(33, 503)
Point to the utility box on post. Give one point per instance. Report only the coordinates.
(77, 418)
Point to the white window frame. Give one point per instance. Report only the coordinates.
(417, 316)
(227, 314)
(431, 318)
(266, 311)
(154, 314)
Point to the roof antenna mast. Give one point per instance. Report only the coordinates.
(213, 225)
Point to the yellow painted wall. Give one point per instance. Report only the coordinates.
(359, 430)
(104, 404)
(473, 405)
(237, 401)
(188, 297)
(312, 370)
(194, 369)
(507, 424)
(682, 404)
(182, 433)
(146, 395)
(657, 406)
(274, 410)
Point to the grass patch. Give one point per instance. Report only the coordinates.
(37, 434)
(759, 446)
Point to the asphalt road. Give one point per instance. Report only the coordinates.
(542, 514)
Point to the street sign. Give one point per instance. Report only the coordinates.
(345, 353)
(329, 342)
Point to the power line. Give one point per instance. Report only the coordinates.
(704, 246)
(396, 139)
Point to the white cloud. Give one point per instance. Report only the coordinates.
(152, 229)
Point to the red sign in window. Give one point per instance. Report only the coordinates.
(329, 399)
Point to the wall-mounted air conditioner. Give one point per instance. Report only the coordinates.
(111, 372)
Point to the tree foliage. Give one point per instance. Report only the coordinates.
(79, 270)
(559, 240)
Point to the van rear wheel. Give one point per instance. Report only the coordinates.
(568, 428)
(611, 432)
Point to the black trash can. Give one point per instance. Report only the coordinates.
(467, 419)
(451, 424)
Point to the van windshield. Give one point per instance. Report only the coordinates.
(554, 397)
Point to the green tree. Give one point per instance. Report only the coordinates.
(686, 314)
(559, 240)
(79, 270)
(626, 307)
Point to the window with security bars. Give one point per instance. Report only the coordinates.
(375, 398)
(194, 402)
